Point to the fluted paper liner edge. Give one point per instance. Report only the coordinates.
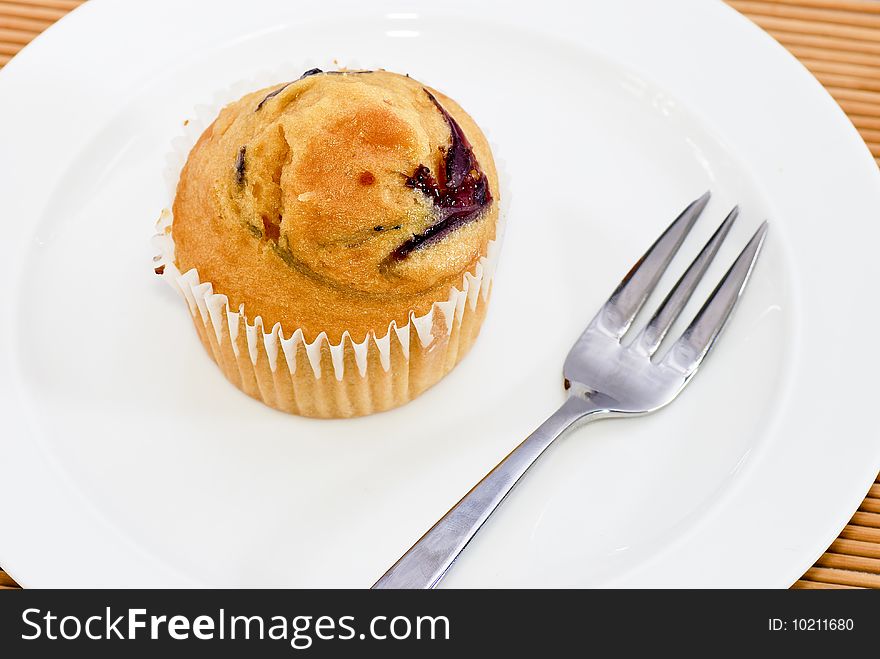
(320, 378)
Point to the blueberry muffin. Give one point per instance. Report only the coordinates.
(345, 220)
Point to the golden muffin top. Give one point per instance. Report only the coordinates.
(340, 201)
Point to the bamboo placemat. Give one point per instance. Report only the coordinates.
(839, 41)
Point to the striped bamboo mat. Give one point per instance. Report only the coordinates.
(839, 41)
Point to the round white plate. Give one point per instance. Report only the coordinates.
(129, 460)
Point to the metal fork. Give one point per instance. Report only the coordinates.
(604, 378)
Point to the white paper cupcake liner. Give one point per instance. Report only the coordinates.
(321, 378)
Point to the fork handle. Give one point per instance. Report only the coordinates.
(424, 565)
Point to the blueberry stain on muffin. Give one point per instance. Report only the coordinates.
(306, 74)
(239, 165)
(271, 95)
(459, 194)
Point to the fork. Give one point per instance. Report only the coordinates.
(604, 377)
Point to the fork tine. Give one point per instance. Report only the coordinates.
(618, 312)
(698, 339)
(670, 309)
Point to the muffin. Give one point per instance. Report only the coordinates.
(335, 235)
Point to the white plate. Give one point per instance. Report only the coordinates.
(128, 459)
